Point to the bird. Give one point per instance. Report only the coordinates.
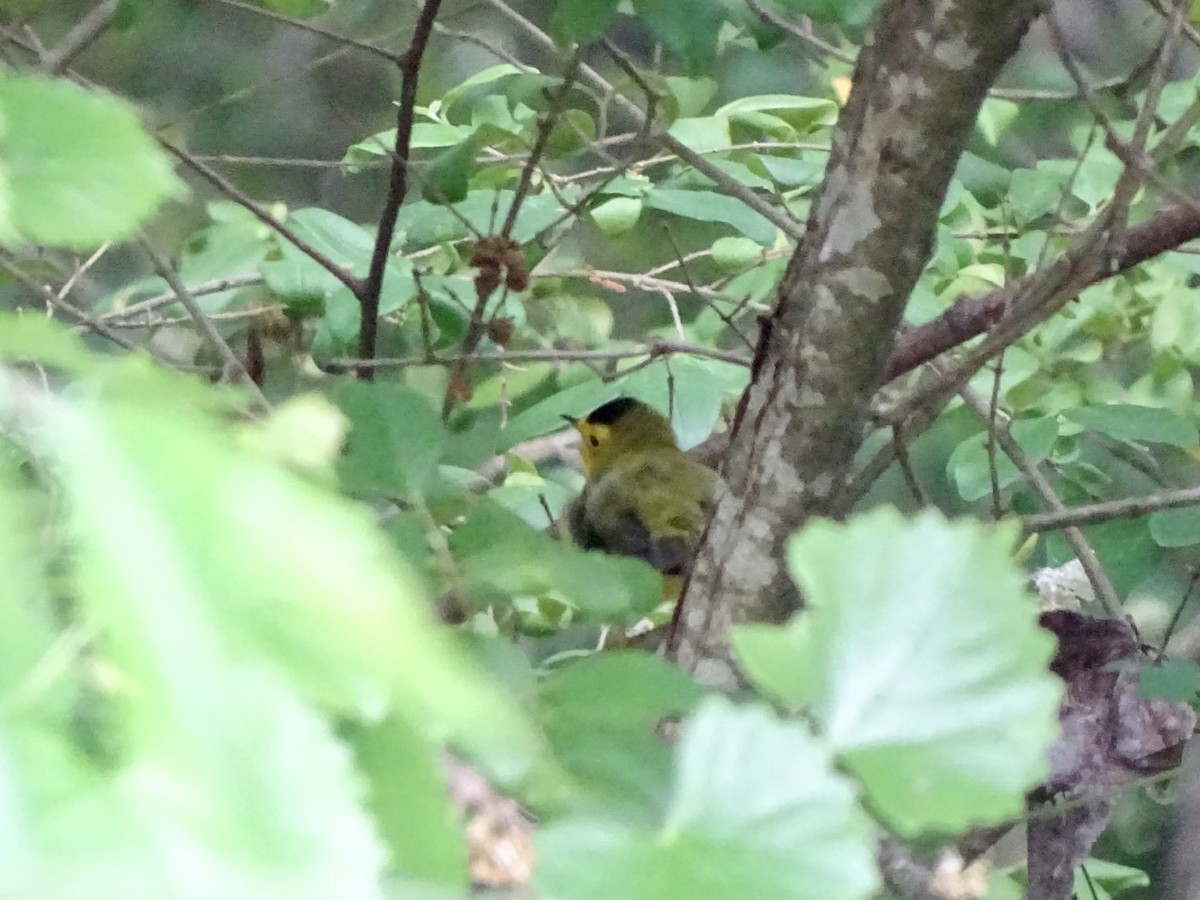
(643, 495)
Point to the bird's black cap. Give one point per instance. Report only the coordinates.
(611, 411)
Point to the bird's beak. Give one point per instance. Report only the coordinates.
(574, 421)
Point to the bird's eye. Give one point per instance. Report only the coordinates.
(595, 441)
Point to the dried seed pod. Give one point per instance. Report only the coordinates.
(500, 330)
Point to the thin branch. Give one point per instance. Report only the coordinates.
(226, 187)
(81, 270)
(646, 282)
(656, 349)
(231, 315)
(119, 316)
(57, 302)
(910, 475)
(287, 162)
(232, 365)
(312, 28)
(498, 52)
(459, 383)
(369, 290)
(1106, 594)
(804, 35)
(1133, 176)
(1108, 510)
(85, 32)
(969, 317)
(724, 182)
(781, 218)
(545, 127)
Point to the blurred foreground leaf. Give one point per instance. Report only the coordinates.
(756, 811)
(922, 660)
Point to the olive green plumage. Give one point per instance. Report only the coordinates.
(644, 496)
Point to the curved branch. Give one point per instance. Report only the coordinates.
(969, 317)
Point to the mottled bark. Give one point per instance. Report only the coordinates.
(918, 85)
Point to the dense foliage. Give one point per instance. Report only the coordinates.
(228, 523)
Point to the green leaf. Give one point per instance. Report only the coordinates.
(449, 173)
(25, 621)
(496, 81)
(920, 651)
(524, 492)
(1179, 527)
(248, 787)
(995, 116)
(767, 655)
(230, 246)
(407, 795)
(970, 467)
(1137, 424)
(426, 224)
(166, 506)
(76, 168)
(502, 557)
(582, 21)
(1126, 549)
(1034, 193)
(297, 278)
(691, 94)
(806, 170)
(36, 339)
(802, 114)
(690, 29)
(1173, 680)
(572, 131)
(395, 440)
(425, 136)
(709, 206)
(1113, 878)
(300, 9)
(616, 215)
(735, 254)
(620, 695)
(755, 811)
(704, 134)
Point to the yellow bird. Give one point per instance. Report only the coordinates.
(644, 496)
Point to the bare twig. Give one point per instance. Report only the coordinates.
(515, 357)
(285, 162)
(226, 187)
(81, 270)
(802, 34)
(57, 302)
(232, 365)
(1133, 176)
(232, 315)
(1106, 511)
(910, 476)
(120, 316)
(313, 28)
(545, 127)
(724, 182)
(970, 317)
(86, 30)
(369, 289)
(1106, 594)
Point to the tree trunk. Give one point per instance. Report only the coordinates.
(918, 85)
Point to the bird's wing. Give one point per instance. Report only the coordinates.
(645, 509)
